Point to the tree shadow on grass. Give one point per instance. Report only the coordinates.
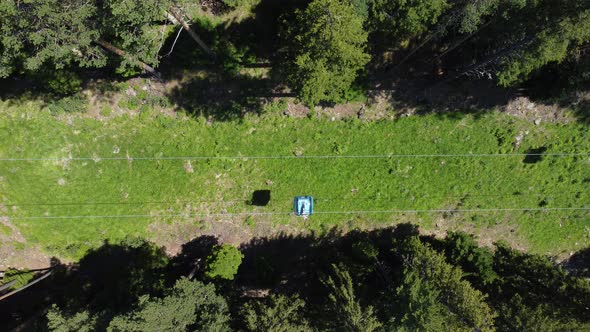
(107, 280)
(579, 263)
(192, 258)
(416, 89)
(222, 99)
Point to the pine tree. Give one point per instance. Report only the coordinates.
(55, 34)
(277, 313)
(48, 32)
(58, 321)
(349, 315)
(553, 44)
(427, 276)
(189, 306)
(224, 262)
(403, 19)
(327, 52)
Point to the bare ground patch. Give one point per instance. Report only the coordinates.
(524, 108)
(15, 252)
(230, 229)
(485, 235)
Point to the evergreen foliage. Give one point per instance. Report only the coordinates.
(190, 305)
(476, 261)
(224, 262)
(535, 280)
(48, 32)
(277, 313)
(328, 51)
(325, 50)
(55, 35)
(403, 19)
(438, 291)
(81, 321)
(414, 288)
(349, 316)
(553, 44)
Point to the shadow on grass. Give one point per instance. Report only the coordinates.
(107, 280)
(222, 99)
(427, 86)
(579, 263)
(19, 91)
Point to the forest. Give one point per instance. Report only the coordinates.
(321, 51)
(445, 144)
(386, 280)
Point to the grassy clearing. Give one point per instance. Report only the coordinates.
(127, 187)
(5, 229)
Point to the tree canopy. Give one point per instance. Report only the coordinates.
(328, 51)
(190, 305)
(278, 313)
(410, 283)
(224, 262)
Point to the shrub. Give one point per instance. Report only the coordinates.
(463, 250)
(63, 82)
(73, 104)
(224, 262)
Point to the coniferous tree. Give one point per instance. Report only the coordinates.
(350, 316)
(553, 44)
(277, 313)
(427, 273)
(328, 51)
(190, 305)
(224, 262)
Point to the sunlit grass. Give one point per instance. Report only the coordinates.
(128, 187)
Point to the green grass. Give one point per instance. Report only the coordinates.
(22, 277)
(127, 187)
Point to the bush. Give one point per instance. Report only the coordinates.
(73, 104)
(224, 262)
(464, 251)
(64, 82)
(235, 3)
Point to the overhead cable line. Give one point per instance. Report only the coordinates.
(374, 156)
(290, 199)
(228, 214)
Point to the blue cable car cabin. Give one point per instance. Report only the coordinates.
(303, 205)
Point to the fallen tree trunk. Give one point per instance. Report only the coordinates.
(175, 17)
(47, 274)
(112, 48)
(490, 60)
(7, 285)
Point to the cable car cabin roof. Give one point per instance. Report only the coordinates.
(303, 205)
